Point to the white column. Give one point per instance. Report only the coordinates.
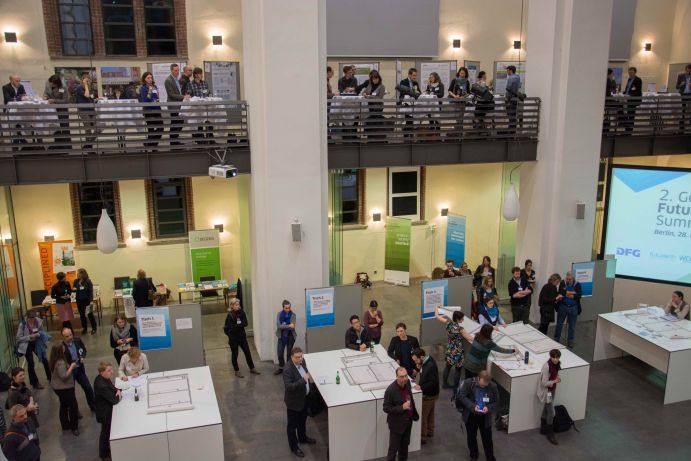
(568, 44)
(284, 62)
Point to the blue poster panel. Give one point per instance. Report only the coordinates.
(583, 273)
(455, 238)
(434, 293)
(153, 325)
(319, 307)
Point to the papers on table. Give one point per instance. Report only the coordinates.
(169, 393)
(325, 379)
(385, 372)
(509, 364)
(360, 375)
(670, 318)
(516, 328)
(528, 337)
(543, 345)
(662, 326)
(679, 333)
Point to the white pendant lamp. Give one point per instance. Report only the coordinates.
(512, 207)
(106, 236)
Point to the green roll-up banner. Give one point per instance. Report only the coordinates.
(205, 254)
(397, 251)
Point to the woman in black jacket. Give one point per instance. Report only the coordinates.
(234, 328)
(484, 270)
(84, 290)
(106, 396)
(141, 289)
(548, 299)
(123, 335)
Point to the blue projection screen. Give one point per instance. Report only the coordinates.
(648, 223)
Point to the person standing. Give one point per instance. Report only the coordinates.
(19, 393)
(450, 271)
(428, 382)
(549, 301)
(528, 273)
(55, 93)
(143, 290)
(84, 290)
(486, 289)
(677, 306)
(106, 396)
(21, 440)
(519, 291)
(296, 380)
(61, 292)
(684, 87)
(374, 320)
(286, 334)
(569, 307)
(634, 90)
(148, 92)
(32, 339)
(234, 328)
(329, 76)
(400, 410)
(611, 107)
(549, 378)
(75, 352)
(479, 398)
(455, 357)
(401, 347)
(484, 270)
(513, 88)
(62, 382)
(347, 85)
(357, 337)
(123, 335)
(482, 345)
(463, 271)
(87, 113)
(173, 85)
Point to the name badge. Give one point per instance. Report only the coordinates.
(485, 399)
(358, 341)
(30, 437)
(239, 322)
(155, 91)
(81, 288)
(61, 90)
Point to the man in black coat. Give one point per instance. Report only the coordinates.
(21, 440)
(297, 387)
(520, 292)
(75, 351)
(357, 337)
(633, 89)
(568, 308)
(478, 398)
(401, 412)
(106, 396)
(428, 383)
(13, 91)
(402, 346)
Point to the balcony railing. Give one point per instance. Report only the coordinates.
(661, 115)
(123, 126)
(355, 120)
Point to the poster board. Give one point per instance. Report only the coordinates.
(115, 80)
(397, 251)
(205, 254)
(319, 307)
(30, 90)
(499, 78)
(57, 256)
(674, 71)
(473, 68)
(446, 70)
(434, 293)
(223, 78)
(459, 293)
(153, 328)
(361, 71)
(347, 301)
(161, 71)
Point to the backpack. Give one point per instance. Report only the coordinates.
(562, 421)
(502, 423)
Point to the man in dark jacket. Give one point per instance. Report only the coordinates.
(106, 396)
(634, 89)
(520, 293)
(357, 337)
(548, 301)
(75, 351)
(399, 407)
(428, 383)
(13, 91)
(569, 307)
(297, 387)
(21, 440)
(478, 398)
(401, 348)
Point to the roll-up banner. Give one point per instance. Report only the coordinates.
(397, 251)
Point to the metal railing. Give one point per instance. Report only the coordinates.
(356, 120)
(121, 126)
(662, 114)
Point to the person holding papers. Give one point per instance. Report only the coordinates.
(296, 380)
(549, 301)
(133, 364)
(569, 307)
(357, 337)
(488, 313)
(106, 396)
(479, 351)
(477, 399)
(454, 347)
(549, 378)
(677, 306)
(123, 335)
(400, 410)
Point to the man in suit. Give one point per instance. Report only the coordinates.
(409, 87)
(176, 93)
(478, 398)
(13, 91)
(684, 87)
(297, 387)
(428, 383)
(106, 396)
(610, 106)
(185, 80)
(347, 85)
(633, 89)
(75, 352)
(399, 407)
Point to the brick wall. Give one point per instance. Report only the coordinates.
(52, 24)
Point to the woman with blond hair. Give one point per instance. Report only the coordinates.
(234, 328)
(133, 364)
(84, 290)
(143, 290)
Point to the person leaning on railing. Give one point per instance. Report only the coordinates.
(56, 93)
(84, 95)
(374, 90)
(198, 88)
(148, 92)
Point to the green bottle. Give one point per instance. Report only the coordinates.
(338, 378)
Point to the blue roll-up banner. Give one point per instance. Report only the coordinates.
(319, 307)
(455, 238)
(583, 273)
(434, 293)
(153, 324)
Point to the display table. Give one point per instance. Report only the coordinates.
(191, 287)
(195, 434)
(357, 422)
(648, 336)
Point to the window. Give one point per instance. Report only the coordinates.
(75, 27)
(351, 196)
(170, 203)
(159, 18)
(118, 27)
(404, 193)
(88, 199)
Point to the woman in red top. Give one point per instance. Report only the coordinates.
(549, 378)
(374, 320)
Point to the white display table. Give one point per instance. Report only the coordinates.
(656, 341)
(198, 433)
(357, 422)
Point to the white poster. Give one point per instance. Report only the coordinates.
(161, 71)
(224, 80)
(183, 324)
(29, 88)
(152, 325)
(500, 74)
(444, 68)
(319, 307)
(473, 68)
(361, 70)
(433, 296)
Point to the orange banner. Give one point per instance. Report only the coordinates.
(57, 257)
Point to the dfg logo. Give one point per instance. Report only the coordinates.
(629, 252)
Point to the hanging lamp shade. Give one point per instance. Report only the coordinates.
(106, 236)
(512, 207)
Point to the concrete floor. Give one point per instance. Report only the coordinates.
(625, 416)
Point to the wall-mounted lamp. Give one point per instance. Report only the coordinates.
(456, 43)
(136, 233)
(48, 238)
(516, 44)
(376, 217)
(217, 40)
(444, 211)
(219, 227)
(648, 47)
(10, 37)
